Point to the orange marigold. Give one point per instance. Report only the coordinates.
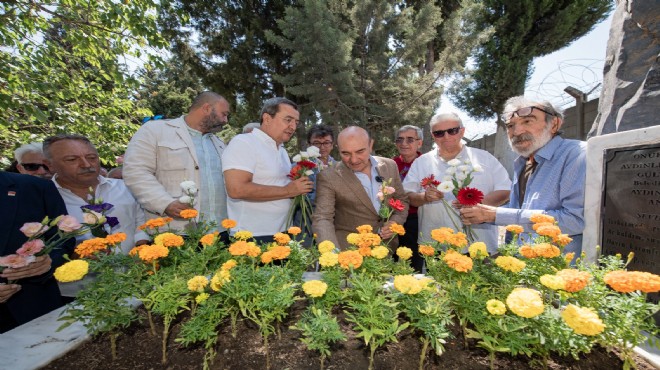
(457, 261)
(537, 225)
(294, 230)
(562, 239)
(546, 250)
(362, 229)
(238, 248)
(458, 240)
(527, 251)
(365, 251)
(426, 250)
(153, 252)
(282, 238)
(442, 234)
(516, 229)
(230, 264)
(136, 250)
(397, 229)
(188, 213)
(90, 246)
(540, 217)
(252, 250)
(267, 257)
(629, 281)
(228, 223)
(115, 238)
(349, 259)
(281, 252)
(155, 223)
(575, 280)
(169, 240)
(208, 239)
(551, 231)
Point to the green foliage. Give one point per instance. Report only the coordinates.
(319, 329)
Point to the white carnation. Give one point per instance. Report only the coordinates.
(297, 158)
(454, 162)
(464, 168)
(460, 176)
(477, 168)
(187, 185)
(446, 186)
(185, 199)
(446, 178)
(313, 152)
(450, 171)
(309, 173)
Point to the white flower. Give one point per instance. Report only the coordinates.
(464, 168)
(187, 185)
(446, 178)
(454, 162)
(450, 171)
(380, 196)
(297, 158)
(309, 173)
(460, 176)
(446, 186)
(304, 155)
(467, 161)
(192, 191)
(477, 168)
(93, 218)
(185, 199)
(313, 152)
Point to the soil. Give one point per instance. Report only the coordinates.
(138, 349)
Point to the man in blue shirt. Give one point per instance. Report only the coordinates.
(549, 174)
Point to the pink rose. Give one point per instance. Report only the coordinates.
(68, 224)
(380, 196)
(31, 247)
(389, 190)
(15, 261)
(31, 229)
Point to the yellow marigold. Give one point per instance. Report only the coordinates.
(551, 231)
(228, 223)
(294, 230)
(562, 239)
(546, 250)
(315, 288)
(90, 246)
(71, 271)
(230, 264)
(380, 252)
(458, 240)
(115, 238)
(328, 259)
(282, 238)
(426, 250)
(541, 224)
(198, 283)
(238, 248)
(553, 282)
(568, 258)
(243, 235)
(153, 252)
(478, 250)
(527, 251)
(582, 320)
(155, 223)
(404, 253)
(188, 213)
(252, 250)
(349, 259)
(516, 229)
(540, 217)
(136, 250)
(575, 280)
(629, 281)
(208, 239)
(326, 246)
(457, 261)
(363, 229)
(525, 302)
(442, 234)
(495, 307)
(510, 263)
(169, 240)
(353, 238)
(365, 251)
(201, 298)
(408, 284)
(397, 229)
(219, 279)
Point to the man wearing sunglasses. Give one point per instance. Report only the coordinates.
(549, 173)
(493, 181)
(30, 161)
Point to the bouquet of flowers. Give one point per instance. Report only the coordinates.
(457, 179)
(306, 164)
(388, 204)
(94, 215)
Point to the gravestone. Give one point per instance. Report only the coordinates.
(622, 198)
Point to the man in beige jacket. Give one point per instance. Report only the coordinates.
(347, 194)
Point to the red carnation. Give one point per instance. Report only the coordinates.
(308, 165)
(469, 196)
(396, 204)
(429, 181)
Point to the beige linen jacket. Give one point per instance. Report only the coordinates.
(159, 157)
(342, 204)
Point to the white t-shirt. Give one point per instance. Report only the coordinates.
(435, 215)
(258, 154)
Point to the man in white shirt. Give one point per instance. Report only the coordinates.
(256, 166)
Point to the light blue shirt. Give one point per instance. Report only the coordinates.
(555, 188)
(212, 193)
(370, 185)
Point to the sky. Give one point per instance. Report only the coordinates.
(579, 65)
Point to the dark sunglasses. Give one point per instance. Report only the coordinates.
(409, 140)
(34, 166)
(524, 112)
(450, 131)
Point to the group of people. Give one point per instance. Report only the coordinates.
(246, 180)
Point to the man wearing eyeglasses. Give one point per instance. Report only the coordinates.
(493, 181)
(408, 141)
(549, 174)
(30, 161)
(256, 166)
(322, 137)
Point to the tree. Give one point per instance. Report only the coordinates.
(64, 68)
(370, 63)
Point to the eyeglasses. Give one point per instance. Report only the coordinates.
(525, 112)
(450, 131)
(408, 140)
(319, 144)
(34, 166)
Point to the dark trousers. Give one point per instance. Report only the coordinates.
(410, 240)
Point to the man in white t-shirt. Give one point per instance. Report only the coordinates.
(255, 168)
(447, 130)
